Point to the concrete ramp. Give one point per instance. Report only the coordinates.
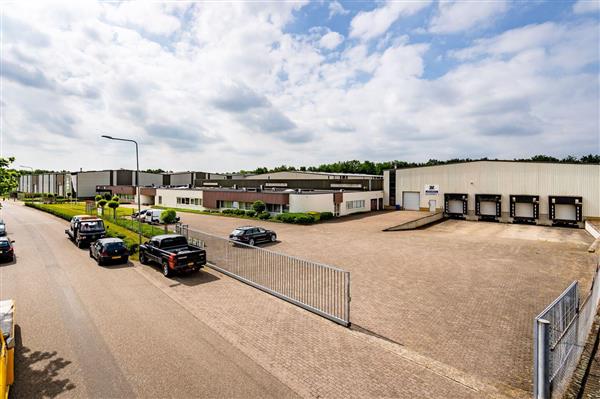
(416, 223)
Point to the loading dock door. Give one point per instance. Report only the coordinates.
(487, 208)
(455, 206)
(565, 212)
(524, 210)
(411, 200)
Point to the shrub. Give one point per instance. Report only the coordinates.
(239, 212)
(115, 198)
(259, 206)
(251, 213)
(326, 215)
(264, 215)
(227, 211)
(98, 197)
(168, 216)
(286, 217)
(113, 205)
(107, 196)
(304, 219)
(102, 203)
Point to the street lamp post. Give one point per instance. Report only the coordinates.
(30, 177)
(137, 180)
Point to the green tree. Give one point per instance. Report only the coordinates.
(102, 203)
(113, 205)
(107, 196)
(98, 197)
(8, 176)
(168, 216)
(115, 198)
(259, 206)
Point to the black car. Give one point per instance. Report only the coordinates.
(7, 251)
(107, 250)
(251, 235)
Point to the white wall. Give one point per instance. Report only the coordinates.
(148, 179)
(87, 182)
(311, 202)
(169, 198)
(181, 179)
(505, 178)
(367, 196)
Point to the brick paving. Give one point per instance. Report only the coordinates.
(314, 357)
(462, 294)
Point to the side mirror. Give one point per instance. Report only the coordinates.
(12, 241)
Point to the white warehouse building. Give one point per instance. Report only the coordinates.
(505, 191)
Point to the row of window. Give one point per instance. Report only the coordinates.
(187, 201)
(273, 208)
(355, 204)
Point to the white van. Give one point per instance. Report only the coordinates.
(153, 216)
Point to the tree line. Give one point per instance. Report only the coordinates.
(377, 168)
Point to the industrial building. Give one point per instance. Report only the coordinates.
(278, 200)
(503, 191)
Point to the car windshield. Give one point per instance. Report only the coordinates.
(4, 244)
(113, 246)
(92, 226)
(238, 232)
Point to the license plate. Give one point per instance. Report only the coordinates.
(116, 257)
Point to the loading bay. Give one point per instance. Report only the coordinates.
(461, 294)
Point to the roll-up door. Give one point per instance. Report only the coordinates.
(410, 200)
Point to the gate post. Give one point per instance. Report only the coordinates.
(541, 361)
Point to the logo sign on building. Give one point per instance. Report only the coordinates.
(205, 183)
(276, 184)
(432, 189)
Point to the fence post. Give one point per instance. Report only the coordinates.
(348, 298)
(542, 359)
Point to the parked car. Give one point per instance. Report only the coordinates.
(152, 216)
(7, 346)
(85, 229)
(140, 213)
(7, 251)
(251, 235)
(106, 250)
(2, 228)
(173, 253)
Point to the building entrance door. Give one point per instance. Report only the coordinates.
(432, 205)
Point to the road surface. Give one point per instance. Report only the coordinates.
(90, 331)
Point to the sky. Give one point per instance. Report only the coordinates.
(224, 86)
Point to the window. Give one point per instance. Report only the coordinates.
(160, 199)
(187, 201)
(178, 200)
(357, 204)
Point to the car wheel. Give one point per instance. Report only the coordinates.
(165, 269)
(126, 259)
(143, 259)
(251, 242)
(78, 243)
(90, 251)
(273, 238)
(100, 262)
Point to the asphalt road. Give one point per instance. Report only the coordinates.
(90, 331)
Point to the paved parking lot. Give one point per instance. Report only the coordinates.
(463, 294)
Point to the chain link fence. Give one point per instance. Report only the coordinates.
(560, 334)
(319, 288)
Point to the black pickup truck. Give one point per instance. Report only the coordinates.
(173, 253)
(85, 229)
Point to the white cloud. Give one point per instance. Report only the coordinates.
(149, 17)
(335, 8)
(455, 16)
(331, 40)
(586, 6)
(368, 25)
(231, 89)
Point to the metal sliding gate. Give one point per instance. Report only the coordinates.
(560, 334)
(319, 288)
